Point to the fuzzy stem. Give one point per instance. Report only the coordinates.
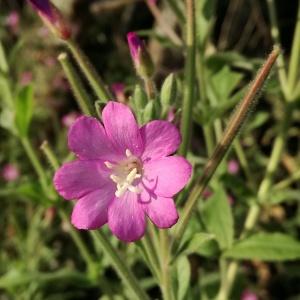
(35, 163)
(235, 123)
(77, 87)
(50, 155)
(119, 265)
(152, 254)
(149, 88)
(189, 89)
(276, 38)
(83, 249)
(89, 71)
(295, 56)
(262, 195)
(166, 285)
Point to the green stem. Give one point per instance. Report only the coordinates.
(262, 195)
(235, 123)
(288, 181)
(149, 88)
(35, 163)
(189, 88)
(201, 74)
(166, 285)
(78, 89)
(151, 253)
(90, 73)
(120, 266)
(50, 155)
(295, 56)
(84, 252)
(276, 38)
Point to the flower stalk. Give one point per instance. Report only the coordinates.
(234, 125)
(78, 89)
(189, 88)
(88, 70)
(119, 265)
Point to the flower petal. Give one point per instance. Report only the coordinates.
(126, 218)
(78, 178)
(88, 140)
(161, 138)
(90, 211)
(121, 128)
(166, 176)
(162, 212)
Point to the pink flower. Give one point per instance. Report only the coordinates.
(10, 172)
(123, 173)
(249, 295)
(69, 119)
(13, 20)
(233, 167)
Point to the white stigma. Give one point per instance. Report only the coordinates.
(124, 180)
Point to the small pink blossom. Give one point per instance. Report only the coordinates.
(25, 78)
(249, 295)
(69, 119)
(233, 167)
(118, 89)
(123, 173)
(13, 21)
(10, 172)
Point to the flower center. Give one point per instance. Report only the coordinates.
(125, 173)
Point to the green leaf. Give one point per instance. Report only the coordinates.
(24, 109)
(168, 92)
(223, 83)
(183, 275)
(266, 246)
(217, 217)
(205, 11)
(148, 112)
(203, 244)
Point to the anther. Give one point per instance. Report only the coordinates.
(108, 165)
(128, 153)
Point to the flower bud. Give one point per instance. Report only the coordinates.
(118, 90)
(140, 56)
(52, 18)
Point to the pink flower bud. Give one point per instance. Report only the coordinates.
(118, 89)
(52, 18)
(249, 295)
(233, 167)
(140, 56)
(10, 173)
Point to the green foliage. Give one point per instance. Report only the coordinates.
(24, 110)
(218, 219)
(183, 277)
(267, 247)
(168, 93)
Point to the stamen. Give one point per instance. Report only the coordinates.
(128, 153)
(115, 178)
(134, 189)
(108, 165)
